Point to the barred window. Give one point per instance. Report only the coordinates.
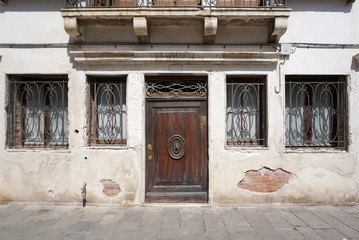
(37, 112)
(316, 111)
(246, 112)
(108, 111)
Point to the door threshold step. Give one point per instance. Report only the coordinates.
(177, 197)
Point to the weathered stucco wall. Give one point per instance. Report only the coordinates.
(326, 176)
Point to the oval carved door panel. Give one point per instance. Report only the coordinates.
(176, 147)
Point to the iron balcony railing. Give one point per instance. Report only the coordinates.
(175, 3)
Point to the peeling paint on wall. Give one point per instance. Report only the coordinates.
(110, 187)
(265, 180)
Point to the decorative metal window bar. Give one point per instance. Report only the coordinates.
(173, 87)
(246, 112)
(316, 114)
(177, 3)
(108, 115)
(37, 112)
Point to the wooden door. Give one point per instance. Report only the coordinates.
(176, 151)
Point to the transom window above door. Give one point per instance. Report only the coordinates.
(37, 112)
(176, 87)
(316, 111)
(246, 111)
(108, 113)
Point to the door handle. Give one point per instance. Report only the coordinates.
(149, 152)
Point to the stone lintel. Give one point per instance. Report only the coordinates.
(174, 57)
(140, 28)
(210, 29)
(280, 27)
(73, 29)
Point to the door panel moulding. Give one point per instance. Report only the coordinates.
(178, 57)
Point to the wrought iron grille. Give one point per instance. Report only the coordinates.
(246, 112)
(108, 112)
(176, 87)
(38, 115)
(176, 3)
(316, 112)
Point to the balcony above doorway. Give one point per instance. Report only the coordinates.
(210, 15)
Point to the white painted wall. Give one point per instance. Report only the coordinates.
(57, 176)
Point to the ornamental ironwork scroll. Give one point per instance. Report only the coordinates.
(245, 112)
(108, 113)
(315, 113)
(38, 115)
(176, 88)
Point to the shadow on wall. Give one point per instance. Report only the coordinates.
(33, 5)
(320, 6)
(355, 63)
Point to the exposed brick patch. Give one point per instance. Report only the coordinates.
(110, 188)
(265, 180)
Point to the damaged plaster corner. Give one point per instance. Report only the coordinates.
(110, 187)
(265, 180)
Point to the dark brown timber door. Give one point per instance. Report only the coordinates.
(176, 149)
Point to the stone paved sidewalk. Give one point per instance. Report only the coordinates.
(148, 222)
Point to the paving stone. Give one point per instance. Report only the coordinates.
(325, 216)
(83, 226)
(170, 234)
(52, 234)
(273, 217)
(291, 218)
(291, 234)
(192, 227)
(213, 223)
(348, 232)
(6, 210)
(74, 236)
(349, 209)
(309, 218)
(344, 217)
(196, 237)
(15, 217)
(330, 234)
(128, 226)
(151, 219)
(282, 225)
(171, 222)
(222, 235)
(134, 214)
(111, 218)
(191, 215)
(309, 233)
(186, 223)
(119, 235)
(103, 231)
(147, 233)
(250, 235)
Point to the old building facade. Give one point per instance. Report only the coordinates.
(221, 102)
